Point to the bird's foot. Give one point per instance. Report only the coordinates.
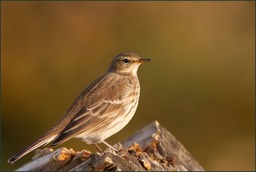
(98, 148)
(111, 147)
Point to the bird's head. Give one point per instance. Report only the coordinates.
(127, 63)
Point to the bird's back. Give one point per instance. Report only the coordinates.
(108, 101)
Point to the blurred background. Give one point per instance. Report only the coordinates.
(199, 85)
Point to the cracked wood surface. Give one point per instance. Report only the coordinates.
(152, 148)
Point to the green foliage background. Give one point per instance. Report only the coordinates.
(199, 85)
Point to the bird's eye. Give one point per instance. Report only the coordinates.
(126, 60)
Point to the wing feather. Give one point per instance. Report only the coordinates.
(103, 99)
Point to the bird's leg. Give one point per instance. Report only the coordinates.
(97, 147)
(108, 145)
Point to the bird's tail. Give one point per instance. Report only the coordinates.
(42, 141)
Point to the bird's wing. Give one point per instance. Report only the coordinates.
(87, 111)
(101, 103)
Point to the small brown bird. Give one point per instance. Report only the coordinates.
(101, 110)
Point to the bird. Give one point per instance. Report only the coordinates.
(104, 108)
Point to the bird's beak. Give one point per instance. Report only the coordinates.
(142, 60)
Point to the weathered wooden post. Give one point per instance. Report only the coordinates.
(151, 148)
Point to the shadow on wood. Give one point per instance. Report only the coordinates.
(151, 148)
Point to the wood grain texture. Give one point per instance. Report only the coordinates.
(152, 148)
